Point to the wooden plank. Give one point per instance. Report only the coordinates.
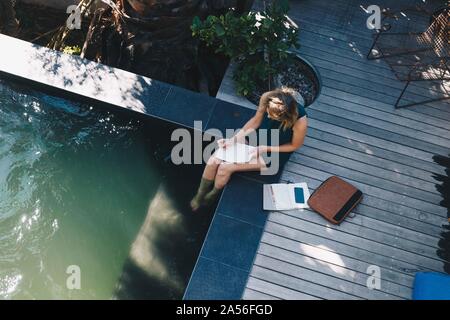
(363, 238)
(367, 129)
(375, 151)
(357, 136)
(367, 168)
(356, 27)
(348, 14)
(325, 280)
(364, 77)
(369, 102)
(359, 228)
(374, 83)
(343, 32)
(386, 117)
(250, 294)
(277, 291)
(376, 192)
(375, 206)
(348, 84)
(355, 132)
(368, 178)
(331, 39)
(368, 158)
(349, 133)
(382, 124)
(342, 244)
(338, 22)
(299, 284)
(430, 226)
(321, 49)
(314, 44)
(372, 206)
(318, 249)
(334, 261)
(381, 230)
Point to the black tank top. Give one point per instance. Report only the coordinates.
(285, 135)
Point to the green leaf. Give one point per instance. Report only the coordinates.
(196, 22)
(75, 50)
(237, 37)
(220, 31)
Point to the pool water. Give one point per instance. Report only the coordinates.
(86, 186)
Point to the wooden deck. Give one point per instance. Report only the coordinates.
(355, 133)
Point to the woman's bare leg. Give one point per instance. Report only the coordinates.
(211, 168)
(224, 172)
(206, 183)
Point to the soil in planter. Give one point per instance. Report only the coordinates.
(298, 76)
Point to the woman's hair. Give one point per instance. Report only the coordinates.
(286, 112)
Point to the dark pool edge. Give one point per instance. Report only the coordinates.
(213, 277)
(229, 250)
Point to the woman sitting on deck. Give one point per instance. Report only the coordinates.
(278, 110)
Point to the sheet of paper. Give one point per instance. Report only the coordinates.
(236, 153)
(283, 199)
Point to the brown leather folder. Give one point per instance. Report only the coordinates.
(334, 199)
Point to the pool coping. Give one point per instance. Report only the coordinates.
(226, 258)
(228, 254)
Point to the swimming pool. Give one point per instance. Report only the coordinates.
(88, 187)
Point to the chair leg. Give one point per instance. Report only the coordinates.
(370, 56)
(422, 102)
(398, 106)
(386, 27)
(401, 95)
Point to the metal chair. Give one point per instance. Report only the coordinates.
(423, 56)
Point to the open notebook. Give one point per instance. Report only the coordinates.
(285, 196)
(236, 153)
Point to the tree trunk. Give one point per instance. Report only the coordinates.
(151, 37)
(8, 22)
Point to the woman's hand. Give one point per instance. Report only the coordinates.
(258, 151)
(225, 143)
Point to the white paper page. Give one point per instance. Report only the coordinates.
(268, 198)
(283, 199)
(236, 153)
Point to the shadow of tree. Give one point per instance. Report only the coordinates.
(444, 188)
(95, 81)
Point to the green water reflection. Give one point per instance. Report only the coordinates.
(76, 185)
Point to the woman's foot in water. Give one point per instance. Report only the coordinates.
(197, 201)
(211, 197)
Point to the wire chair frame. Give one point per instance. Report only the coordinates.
(417, 56)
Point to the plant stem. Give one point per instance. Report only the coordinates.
(58, 39)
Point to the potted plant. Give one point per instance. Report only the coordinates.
(262, 45)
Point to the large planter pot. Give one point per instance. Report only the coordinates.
(301, 76)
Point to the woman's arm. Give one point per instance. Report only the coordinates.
(298, 138)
